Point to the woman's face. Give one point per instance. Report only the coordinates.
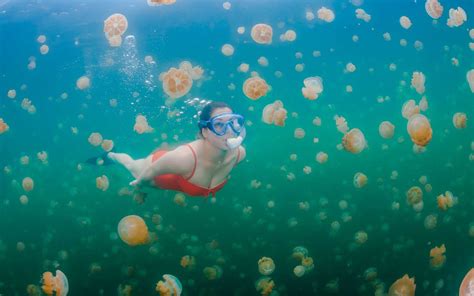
(218, 141)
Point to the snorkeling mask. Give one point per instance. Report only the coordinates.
(220, 123)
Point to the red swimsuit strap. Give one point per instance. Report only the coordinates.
(195, 162)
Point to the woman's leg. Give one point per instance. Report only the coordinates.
(135, 166)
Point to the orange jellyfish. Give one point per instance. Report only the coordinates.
(467, 285)
(102, 183)
(414, 195)
(3, 126)
(308, 263)
(457, 17)
(470, 79)
(405, 22)
(445, 201)
(360, 180)
(404, 286)
(326, 14)
(460, 120)
(28, 184)
(133, 230)
(418, 82)
(170, 287)
(83, 82)
(434, 9)
(255, 88)
(107, 145)
(176, 82)
(265, 286)
(437, 257)
(386, 129)
(262, 34)
(266, 266)
(409, 109)
(354, 141)
(114, 25)
(419, 129)
(58, 283)
(313, 87)
(188, 262)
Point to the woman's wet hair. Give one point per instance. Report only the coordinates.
(207, 111)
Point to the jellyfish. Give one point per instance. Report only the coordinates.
(133, 230)
(280, 117)
(188, 262)
(41, 39)
(176, 82)
(434, 9)
(212, 272)
(57, 284)
(299, 253)
(326, 14)
(255, 87)
(341, 124)
(27, 184)
(437, 257)
(354, 141)
(409, 109)
(102, 183)
(430, 222)
(313, 87)
(470, 79)
(264, 285)
(457, 17)
(141, 125)
(445, 201)
(266, 266)
(290, 36)
(262, 34)
(180, 199)
(44, 49)
(360, 180)
(263, 61)
(244, 68)
(460, 120)
(107, 145)
(418, 82)
(114, 25)
(4, 127)
(386, 129)
(405, 22)
(299, 270)
(322, 157)
(11, 93)
(414, 195)
(160, 2)
(227, 50)
(299, 133)
(423, 104)
(370, 274)
(308, 264)
(115, 41)
(419, 129)
(403, 286)
(170, 287)
(467, 285)
(83, 82)
(361, 237)
(350, 67)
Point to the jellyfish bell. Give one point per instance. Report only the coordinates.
(264, 285)
(354, 141)
(409, 109)
(434, 9)
(255, 87)
(266, 266)
(414, 195)
(460, 120)
(437, 257)
(160, 2)
(116, 24)
(386, 129)
(55, 284)
(262, 34)
(176, 82)
(299, 270)
(360, 180)
(170, 287)
(467, 285)
(133, 230)
(403, 286)
(419, 129)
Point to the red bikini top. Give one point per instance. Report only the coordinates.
(179, 183)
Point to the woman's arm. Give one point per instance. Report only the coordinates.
(179, 161)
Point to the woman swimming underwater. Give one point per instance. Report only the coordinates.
(199, 168)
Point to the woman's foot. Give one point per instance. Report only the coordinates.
(134, 166)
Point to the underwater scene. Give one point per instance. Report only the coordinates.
(241, 147)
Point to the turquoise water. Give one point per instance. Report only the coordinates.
(71, 225)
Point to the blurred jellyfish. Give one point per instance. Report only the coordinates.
(255, 87)
(141, 125)
(419, 129)
(326, 14)
(437, 257)
(321, 157)
(266, 266)
(227, 50)
(4, 127)
(212, 272)
(133, 230)
(362, 15)
(264, 286)
(299, 133)
(44, 49)
(308, 264)
(107, 145)
(11, 94)
(434, 9)
(445, 201)
(188, 262)
(430, 222)
(409, 109)
(299, 253)
(405, 22)
(467, 285)
(57, 285)
(27, 184)
(361, 237)
(414, 195)
(176, 82)
(262, 34)
(83, 82)
(102, 183)
(313, 87)
(423, 104)
(418, 82)
(386, 129)
(354, 141)
(170, 287)
(299, 270)
(460, 120)
(341, 124)
(470, 79)
(403, 286)
(360, 180)
(457, 17)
